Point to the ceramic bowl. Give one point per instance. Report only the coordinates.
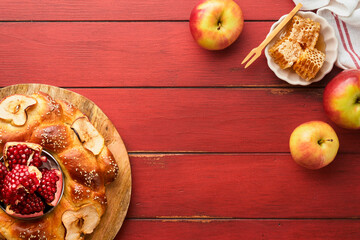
(327, 36)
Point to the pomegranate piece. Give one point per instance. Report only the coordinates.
(30, 206)
(18, 182)
(23, 153)
(3, 173)
(50, 186)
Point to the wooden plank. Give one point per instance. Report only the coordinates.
(213, 120)
(128, 10)
(243, 186)
(115, 54)
(240, 229)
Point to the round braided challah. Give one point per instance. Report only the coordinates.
(87, 165)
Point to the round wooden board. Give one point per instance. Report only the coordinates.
(118, 192)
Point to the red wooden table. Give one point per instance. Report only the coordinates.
(207, 139)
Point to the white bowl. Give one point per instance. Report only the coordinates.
(331, 47)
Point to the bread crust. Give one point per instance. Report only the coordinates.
(85, 175)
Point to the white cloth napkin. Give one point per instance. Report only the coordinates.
(344, 17)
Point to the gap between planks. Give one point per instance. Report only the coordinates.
(258, 87)
(155, 153)
(198, 218)
(152, 154)
(126, 21)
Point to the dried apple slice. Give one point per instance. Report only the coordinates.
(13, 108)
(78, 223)
(88, 135)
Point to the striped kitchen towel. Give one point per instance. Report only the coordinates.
(344, 17)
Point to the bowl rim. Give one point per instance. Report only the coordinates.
(331, 61)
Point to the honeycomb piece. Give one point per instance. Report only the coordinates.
(304, 31)
(285, 52)
(309, 63)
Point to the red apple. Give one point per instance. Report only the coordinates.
(216, 24)
(342, 99)
(314, 144)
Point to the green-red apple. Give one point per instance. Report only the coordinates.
(314, 144)
(342, 99)
(216, 24)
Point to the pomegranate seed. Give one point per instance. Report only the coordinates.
(3, 173)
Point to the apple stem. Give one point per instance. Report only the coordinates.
(219, 25)
(321, 141)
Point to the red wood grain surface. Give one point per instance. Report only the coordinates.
(208, 140)
(240, 229)
(213, 120)
(127, 54)
(128, 10)
(243, 186)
